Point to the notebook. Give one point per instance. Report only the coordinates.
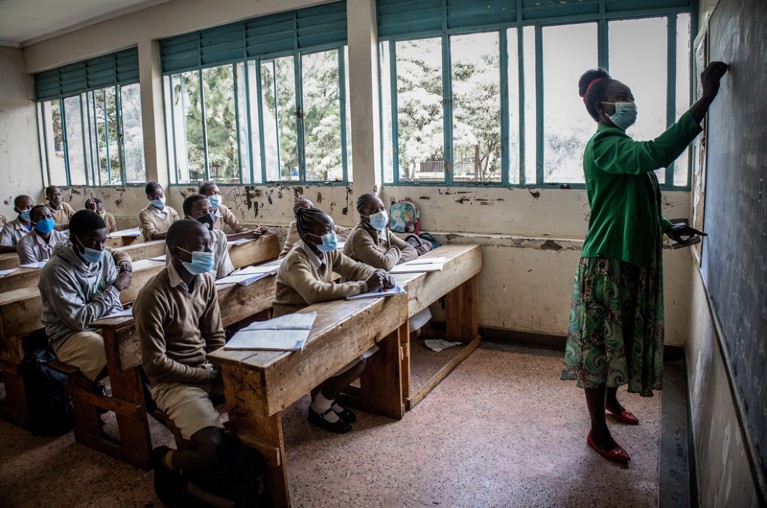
(396, 290)
(285, 333)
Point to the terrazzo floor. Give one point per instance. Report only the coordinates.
(501, 431)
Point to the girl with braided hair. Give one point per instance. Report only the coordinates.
(305, 278)
(616, 322)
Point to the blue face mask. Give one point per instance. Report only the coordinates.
(625, 114)
(25, 215)
(158, 203)
(201, 262)
(329, 242)
(379, 220)
(45, 226)
(91, 256)
(215, 200)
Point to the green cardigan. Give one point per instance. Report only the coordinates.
(623, 192)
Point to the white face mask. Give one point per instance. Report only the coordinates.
(625, 114)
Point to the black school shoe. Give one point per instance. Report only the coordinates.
(347, 416)
(318, 419)
(168, 484)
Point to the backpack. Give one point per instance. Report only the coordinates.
(239, 478)
(429, 238)
(50, 407)
(404, 217)
(420, 245)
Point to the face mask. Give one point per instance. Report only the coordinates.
(379, 220)
(625, 114)
(158, 203)
(25, 215)
(201, 262)
(215, 200)
(91, 256)
(207, 220)
(45, 226)
(329, 242)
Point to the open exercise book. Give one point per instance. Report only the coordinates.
(285, 333)
(133, 232)
(250, 274)
(434, 264)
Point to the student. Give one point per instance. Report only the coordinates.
(79, 285)
(96, 205)
(304, 278)
(62, 213)
(38, 244)
(156, 218)
(197, 207)
(178, 323)
(18, 228)
(292, 238)
(371, 242)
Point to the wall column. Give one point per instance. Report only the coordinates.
(152, 119)
(363, 73)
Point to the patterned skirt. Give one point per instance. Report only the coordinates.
(615, 335)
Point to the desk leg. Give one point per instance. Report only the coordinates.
(263, 433)
(381, 383)
(15, 408)
(461, 312)
(404, 340)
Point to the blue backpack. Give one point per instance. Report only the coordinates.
(404, 217)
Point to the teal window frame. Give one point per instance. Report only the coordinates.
(397, 23)
(253, 42)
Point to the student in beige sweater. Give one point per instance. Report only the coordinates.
(178, 323)
(305, 277)
(60, 210)
(96, 205)
(292, 239)
(156, 218)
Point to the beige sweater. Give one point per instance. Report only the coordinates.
(177, 329)
(302, 281)
(292, 239)
(382, 250)
(153, 221)
(224, 216)
(63, 214)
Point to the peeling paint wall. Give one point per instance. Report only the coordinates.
(19, 153)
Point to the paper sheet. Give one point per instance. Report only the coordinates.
(3, 273)
(243, 279)
(39, 264)
(396, 290)
(285, 333)
(125, 232)
(423, 267)
(240, 241)
(439, 344)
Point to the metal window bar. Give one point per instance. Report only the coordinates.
(120, 134)
(342, 105)
(206, 169)
(82, 136)
(64, 140)
(539, 110)
(237, 119)
(300, 140)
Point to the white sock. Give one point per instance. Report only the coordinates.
(337, 408)
(320, 404)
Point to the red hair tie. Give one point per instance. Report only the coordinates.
(597, 80)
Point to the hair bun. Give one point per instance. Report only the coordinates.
(588, 77)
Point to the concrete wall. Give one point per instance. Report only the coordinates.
(19, 152)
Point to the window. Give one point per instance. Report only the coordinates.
(262, 100)
(472, 95)
(89, 115)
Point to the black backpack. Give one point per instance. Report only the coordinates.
(50, 407)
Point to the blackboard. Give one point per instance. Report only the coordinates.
(734, 260)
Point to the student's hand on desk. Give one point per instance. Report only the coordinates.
(375, 281)
(123, 281)
(389, 281)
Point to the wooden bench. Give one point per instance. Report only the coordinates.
(21, 309)
(9, 260)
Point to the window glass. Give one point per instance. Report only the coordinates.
(190, 148)
(322, 116)
(420, 126)
(476, 92)
(133, 140)
(568, 51)
(243, 81)
(531, 99)
(279, 116)
(221, 124)
(682, 90)
(643, 68)
(75, 140)
(54, 136)
(513, 101)
(387, 160)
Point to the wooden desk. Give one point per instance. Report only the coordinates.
(9, 260)
(457, 282)
(21, 309)
(259, 385)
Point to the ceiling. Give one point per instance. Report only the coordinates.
(24, 22)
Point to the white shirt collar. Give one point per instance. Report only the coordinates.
(176, 280)
(316, 261)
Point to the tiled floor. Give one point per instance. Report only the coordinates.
(502, 430)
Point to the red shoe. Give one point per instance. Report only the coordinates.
(615, 454)
(624, 416)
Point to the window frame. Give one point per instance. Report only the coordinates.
(90, 169)
(601, 19)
